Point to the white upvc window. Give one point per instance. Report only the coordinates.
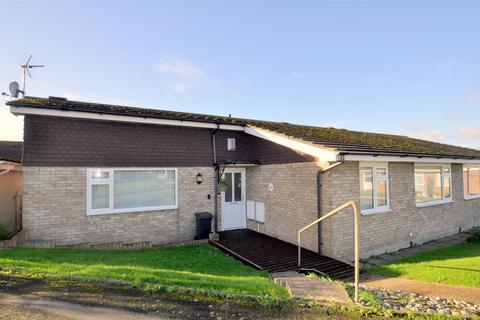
(433, 184)
(374, 187)
(471, 181)
(123, 190)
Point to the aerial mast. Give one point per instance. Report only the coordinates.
(14, 87)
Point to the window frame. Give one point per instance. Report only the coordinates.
(442, 186)
(467, 167)
(375, 166)
(110, 182)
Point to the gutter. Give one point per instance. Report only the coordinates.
(405, 155)
(319, 197)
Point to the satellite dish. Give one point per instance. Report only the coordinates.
(14, 88)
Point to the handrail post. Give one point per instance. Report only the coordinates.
(356, 219)
(299, 252)
(357, 251)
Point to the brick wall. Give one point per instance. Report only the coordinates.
(55, 208)
(291, 205)
(390, 231)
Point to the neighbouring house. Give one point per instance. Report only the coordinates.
(102, 173)
(11, 184)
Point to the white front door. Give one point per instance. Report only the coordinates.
(234, 209)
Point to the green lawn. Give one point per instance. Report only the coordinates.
(457, 265)
(201, 267)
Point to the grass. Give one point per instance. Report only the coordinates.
(197, 267)
(456, 265)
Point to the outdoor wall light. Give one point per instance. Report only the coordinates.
(198, 178)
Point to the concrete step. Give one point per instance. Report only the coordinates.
(313, 288)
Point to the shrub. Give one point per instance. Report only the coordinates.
(4, 232)
(475, 238)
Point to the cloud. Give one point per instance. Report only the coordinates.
(425, 131)
(474, 96)
(458, 116)
(469, 133)
(11, 127)
(181, 76)
(296, 75)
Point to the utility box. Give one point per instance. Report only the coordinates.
(204, 224)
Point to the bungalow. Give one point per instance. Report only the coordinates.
(103, 173)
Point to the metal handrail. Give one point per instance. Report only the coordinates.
(356, 239)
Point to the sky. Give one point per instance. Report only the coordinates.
(403, 67)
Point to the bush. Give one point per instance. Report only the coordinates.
(4, 232)
(475, 238)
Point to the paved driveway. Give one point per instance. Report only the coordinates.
(20, 307)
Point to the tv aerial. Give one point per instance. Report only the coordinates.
(14, 87)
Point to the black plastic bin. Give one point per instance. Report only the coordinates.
(204, 224)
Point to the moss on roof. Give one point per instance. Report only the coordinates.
(340, 139)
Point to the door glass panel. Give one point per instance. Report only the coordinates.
(366, 188)
(229, 189)
(238, 186)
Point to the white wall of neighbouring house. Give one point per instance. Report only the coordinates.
(9, 184)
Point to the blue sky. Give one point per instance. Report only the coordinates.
(407, 67)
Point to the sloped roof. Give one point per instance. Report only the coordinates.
(345, 141)
(11, 151)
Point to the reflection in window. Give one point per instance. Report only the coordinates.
(471, 180)
(238, 186)
(432, 183)
(366, 188)
(373, 188)
(229, 189)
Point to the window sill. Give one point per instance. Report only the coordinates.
(471, 197)
(148, 209)
(433, 203)
(374, 211)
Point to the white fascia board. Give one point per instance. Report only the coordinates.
(120, 118)
(322, 154)
(371, 158)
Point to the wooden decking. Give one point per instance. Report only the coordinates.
(274, 255)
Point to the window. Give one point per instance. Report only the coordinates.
(432, 184)
(231, 144)
(233, 192)
(131, 190)
(374, 188)
(471, 181)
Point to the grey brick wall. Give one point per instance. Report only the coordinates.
(390, 231)
(291, 205)
(55, 208)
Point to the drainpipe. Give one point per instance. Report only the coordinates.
(319, 197)
(217, 178)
